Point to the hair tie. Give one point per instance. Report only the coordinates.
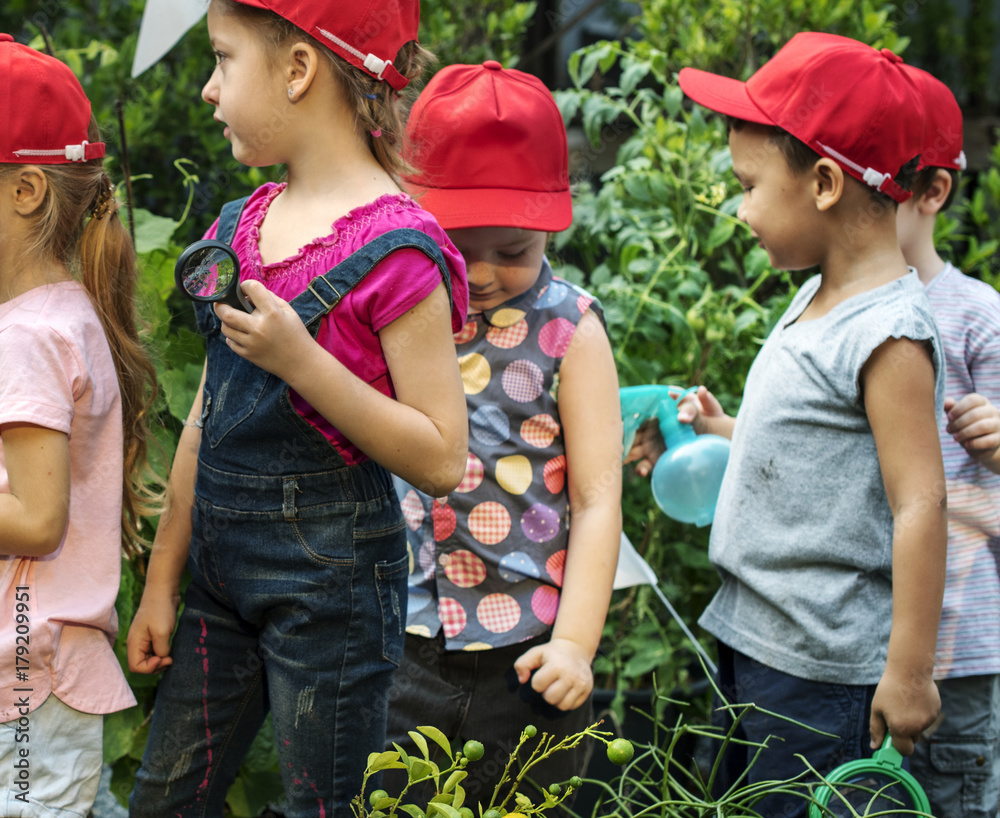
(377, 133)
(104, 201)
(371, 96)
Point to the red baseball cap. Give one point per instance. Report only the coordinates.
(366, 33)
(844, 99)
(47, 115)
(942, 125)
(489, 146)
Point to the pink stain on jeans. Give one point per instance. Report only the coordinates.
(204, 702)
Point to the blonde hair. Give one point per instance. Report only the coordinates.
(378, 107)
(77, 225)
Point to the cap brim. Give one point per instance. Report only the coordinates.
(457, 208)
(721, 94)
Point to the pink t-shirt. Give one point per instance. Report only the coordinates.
(56, 371)
(396, 285)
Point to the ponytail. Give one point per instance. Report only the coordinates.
(78, 225)
(108, 272)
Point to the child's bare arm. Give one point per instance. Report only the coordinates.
(898, 384)
(35, 512)
(974, 422)
(422, 435)
(591, 418)
(148, 642)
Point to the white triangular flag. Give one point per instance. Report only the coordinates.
(632, 569)
(164, 22)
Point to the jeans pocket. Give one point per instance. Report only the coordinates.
(390, 582)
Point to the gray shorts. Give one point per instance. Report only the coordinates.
(958, 765)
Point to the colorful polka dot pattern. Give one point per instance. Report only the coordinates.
(507, 337)
(539, 431)
(495, 558)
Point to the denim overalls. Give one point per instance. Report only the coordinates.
(297, 601)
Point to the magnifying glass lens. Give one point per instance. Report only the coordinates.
(868, 795)
(208, 272)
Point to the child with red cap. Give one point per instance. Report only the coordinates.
(829, 532)
(512, 572)
(958, 763)
(75, 389)
(282, 505)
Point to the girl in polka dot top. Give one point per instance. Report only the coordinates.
(511, 573)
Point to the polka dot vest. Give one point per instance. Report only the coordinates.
(487, 560)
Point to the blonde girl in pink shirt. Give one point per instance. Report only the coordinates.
(75, 384)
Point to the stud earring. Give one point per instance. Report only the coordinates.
(291, 93)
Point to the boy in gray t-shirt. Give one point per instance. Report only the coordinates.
(829, 532)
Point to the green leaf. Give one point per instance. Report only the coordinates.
(119, 731)
(453, 780)
(412, 810)
(251, 793)
(389, 760)
(152, 232)
(420, 770)
(421, 743)
(442, 809)
(633, 73)
(438, 738)
(522, 800)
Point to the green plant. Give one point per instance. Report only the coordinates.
(449, 798)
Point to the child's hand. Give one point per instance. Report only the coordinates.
(562, 673)
(974, 422)
(906, 706)
(273, 336)
(148, 642)
(698, 409)
(646, 448)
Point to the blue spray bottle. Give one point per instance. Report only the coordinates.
(687, 477)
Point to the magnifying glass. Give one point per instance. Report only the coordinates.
(209, 270)
(868, 786)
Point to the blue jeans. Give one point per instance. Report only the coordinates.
(959, 764)
(300, 617)
(843, 710)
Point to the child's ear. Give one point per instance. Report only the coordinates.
(827, 183)
(932, 201)
(303, 62)
(27, 187)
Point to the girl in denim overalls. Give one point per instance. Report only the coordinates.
(282, 507)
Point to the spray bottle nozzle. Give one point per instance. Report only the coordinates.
(687, 478)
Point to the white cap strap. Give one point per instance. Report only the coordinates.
(961, 161)
(374, 64)
(870, 176)
(74, 153)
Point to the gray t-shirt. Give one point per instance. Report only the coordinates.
(802, 534)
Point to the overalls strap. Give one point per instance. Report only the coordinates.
(325, 292)
(229, 218)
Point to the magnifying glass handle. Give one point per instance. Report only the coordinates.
(235, 298)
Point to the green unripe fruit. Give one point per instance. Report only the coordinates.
(376, 796)
(492, 813)
(465, 812)
(620, 751)
(555, 789)
(530, 731)
(576, 781)
(473, 750)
